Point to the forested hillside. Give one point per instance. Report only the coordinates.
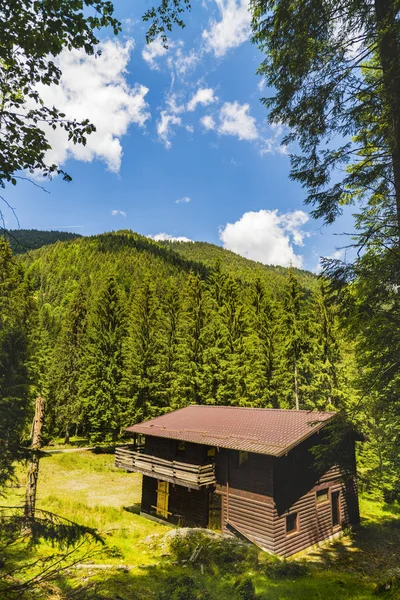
(23, 240)
(130, 328)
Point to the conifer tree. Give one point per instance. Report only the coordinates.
(64, 400)
(324, 386)
(193, 341)
(145, 355)
(235, 322)
(15, 315)
(171, 314)
(292, 343)
(261, 380)
(101, 381)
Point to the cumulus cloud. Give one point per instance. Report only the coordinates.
(184, 63)
(208, 122)
(166, 237)
(267, 236)
(272, 144)
(203, 96)
(173, 105)
(336, 255)
(164, 127)
(96, 88)
(152, 52)
(118, 212)
(235, 120)
(233, 28)
(184, 200)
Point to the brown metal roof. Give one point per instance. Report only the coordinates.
(261, 430)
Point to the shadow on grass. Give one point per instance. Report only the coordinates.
(346, 570)
(134, 509)
(371, 550)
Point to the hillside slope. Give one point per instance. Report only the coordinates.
(24, 240)
(130, 328)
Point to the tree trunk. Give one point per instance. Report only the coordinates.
(33, 469)
(389, 52)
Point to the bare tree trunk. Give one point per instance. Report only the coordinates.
(389, 53)
(33, 469)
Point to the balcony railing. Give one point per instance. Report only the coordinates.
(181, 473)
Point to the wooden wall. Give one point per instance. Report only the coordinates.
(188, 508)
(258, 494)
(195, 454)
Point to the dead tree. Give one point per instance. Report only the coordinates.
(33, 469)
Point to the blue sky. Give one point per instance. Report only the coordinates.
(183, 147)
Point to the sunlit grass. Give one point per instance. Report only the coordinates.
(86, 488)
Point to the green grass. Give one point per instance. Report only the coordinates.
(88, 489)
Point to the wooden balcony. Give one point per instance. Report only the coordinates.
(180, 473)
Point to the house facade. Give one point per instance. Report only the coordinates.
(247, 471)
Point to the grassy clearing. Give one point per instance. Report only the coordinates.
(86, 488)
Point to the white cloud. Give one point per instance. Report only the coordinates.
(232, 30)
(164, 127)
(203, 96)
(173, 104)
(336, 255)
(118, 212)
(151, 52)
(208, 122)
(235, 120)
(95, 88)
(261, 84)
(272, 145)
(185, 63)
(185, 200)
(166, 237)
(267, 236)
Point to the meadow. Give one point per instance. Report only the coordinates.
(136, 563)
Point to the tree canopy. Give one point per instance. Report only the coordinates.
(33, 34)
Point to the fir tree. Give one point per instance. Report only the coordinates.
(261, 380)
(144, 349)
(193, 342)
(64, 400)
(101, 381)
(15, 316)
(292, 343)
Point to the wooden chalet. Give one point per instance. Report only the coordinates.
(249, 471)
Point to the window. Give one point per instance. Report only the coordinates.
(322, 495)
(292, 523)
(335, 509)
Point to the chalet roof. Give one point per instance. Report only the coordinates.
(261, 430)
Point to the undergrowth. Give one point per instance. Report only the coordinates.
(144, 560)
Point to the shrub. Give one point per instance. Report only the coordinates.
(244, 589)
(284, 569)
(178, 587)
(227, 555)
(182, 587)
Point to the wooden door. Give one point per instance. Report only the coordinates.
(214, 511)
(162, 499)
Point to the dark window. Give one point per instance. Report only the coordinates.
(243, 456)
(291, 523)
(335, 509)
(322, 495)
(180, 448)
